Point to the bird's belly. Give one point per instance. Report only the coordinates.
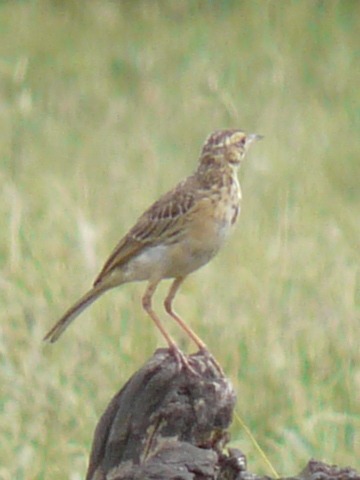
(150, 263)
(205, 238)
(169, 261)
(195, 251)
(189, 256)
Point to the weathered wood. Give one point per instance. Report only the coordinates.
(165, 422)
(171, 423)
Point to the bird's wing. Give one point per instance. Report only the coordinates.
(162, 223)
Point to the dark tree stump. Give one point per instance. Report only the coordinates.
(168, 423)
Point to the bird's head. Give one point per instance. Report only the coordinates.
(227, 145)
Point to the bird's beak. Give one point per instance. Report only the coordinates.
(253, 137)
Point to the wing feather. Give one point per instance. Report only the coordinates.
(162, 223)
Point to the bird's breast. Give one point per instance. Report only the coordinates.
(210, 223)
(227, 207)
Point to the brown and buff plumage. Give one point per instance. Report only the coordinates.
(178, 234)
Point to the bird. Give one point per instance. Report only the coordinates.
(178, 234)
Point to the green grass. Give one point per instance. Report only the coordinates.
(104, 106)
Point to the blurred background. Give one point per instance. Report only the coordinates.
(104, 106)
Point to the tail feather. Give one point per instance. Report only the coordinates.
(84, 302)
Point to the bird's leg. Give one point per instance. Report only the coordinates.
(146, 302)
(197, 340)
(168, 307)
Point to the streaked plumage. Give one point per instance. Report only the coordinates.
(178, 234)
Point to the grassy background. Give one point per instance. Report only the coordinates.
(104, 106)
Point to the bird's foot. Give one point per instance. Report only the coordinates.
(206, 352)
(182, 360)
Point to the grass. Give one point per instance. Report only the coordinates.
(104, 106)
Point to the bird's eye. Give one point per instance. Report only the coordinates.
(241, 142)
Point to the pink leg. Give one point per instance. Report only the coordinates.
(168, 307)
(146, 302)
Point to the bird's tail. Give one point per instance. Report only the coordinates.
(84, 302)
